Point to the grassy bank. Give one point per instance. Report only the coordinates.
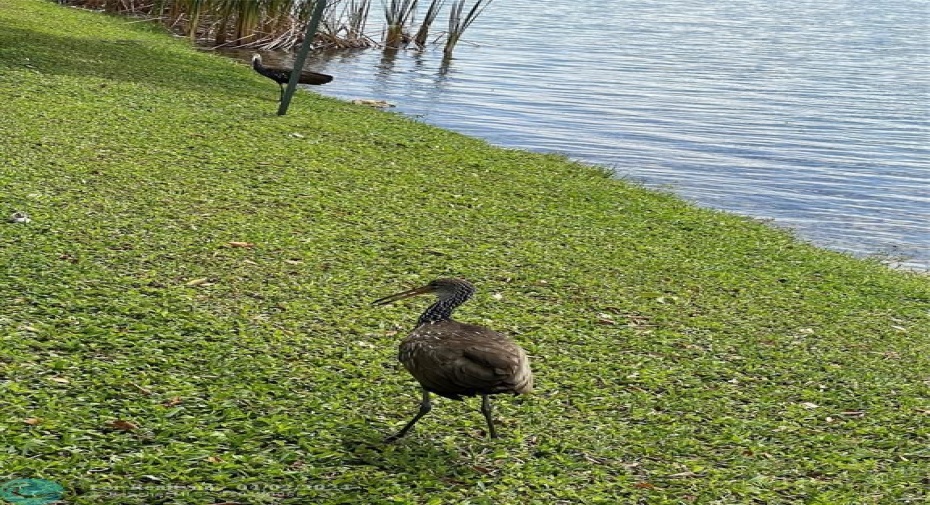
(683, 355)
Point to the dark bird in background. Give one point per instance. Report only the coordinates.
(283, 75)
(453, 359)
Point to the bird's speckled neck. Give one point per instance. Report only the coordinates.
(448, 301)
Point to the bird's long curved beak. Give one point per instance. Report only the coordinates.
(404, 294)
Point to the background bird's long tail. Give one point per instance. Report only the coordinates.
(314, 78)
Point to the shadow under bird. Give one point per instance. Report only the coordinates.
(283, 75)
(455, 360)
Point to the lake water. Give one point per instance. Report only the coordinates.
(813, 114)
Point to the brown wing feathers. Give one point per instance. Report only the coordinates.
(454, 360)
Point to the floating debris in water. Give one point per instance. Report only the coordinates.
(373, 103)
(19, 217)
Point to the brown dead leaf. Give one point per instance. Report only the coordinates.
(214, 459)
(198, 282)
(246, 245)
(644, 485)
(174, 401)
(33, 421)
(124, 425)
(61, 380)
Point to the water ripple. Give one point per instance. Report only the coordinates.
(813, 114)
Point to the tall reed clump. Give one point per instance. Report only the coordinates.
(459, 23)
(280, 24)
(432, 12)
(344, 25)
(397, 13)
(262, 24)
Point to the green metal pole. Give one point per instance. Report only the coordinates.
(302, 56)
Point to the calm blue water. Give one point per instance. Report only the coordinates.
(813, 114)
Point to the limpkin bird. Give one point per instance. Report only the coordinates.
(283, 75)
(455, 360)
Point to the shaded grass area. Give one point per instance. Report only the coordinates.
(683, 355)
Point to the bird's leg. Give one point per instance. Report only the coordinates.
(281, 97)
(425, 407)
(486, 410)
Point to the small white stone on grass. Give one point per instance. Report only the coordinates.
(19, 217)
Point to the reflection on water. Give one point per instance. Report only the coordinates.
(813, 114)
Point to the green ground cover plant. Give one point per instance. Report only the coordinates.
(186, 319)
